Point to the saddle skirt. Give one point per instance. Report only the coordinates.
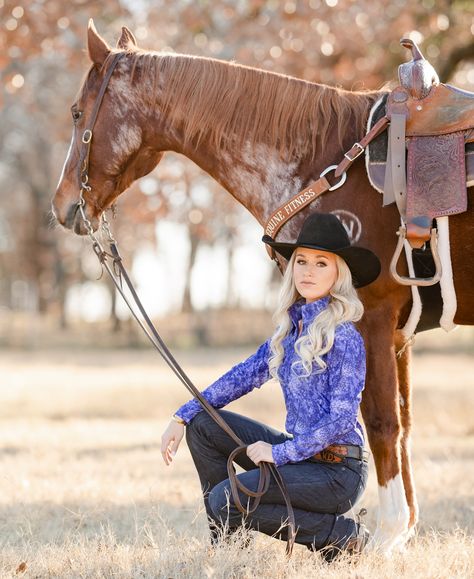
(439, 150)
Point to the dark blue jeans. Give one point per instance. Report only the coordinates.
(320, 492)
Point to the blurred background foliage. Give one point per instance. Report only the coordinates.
(48, 278)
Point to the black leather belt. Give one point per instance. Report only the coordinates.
(338, 452)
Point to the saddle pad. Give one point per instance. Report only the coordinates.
(376, 154)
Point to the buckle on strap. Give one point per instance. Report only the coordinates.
(357, 154)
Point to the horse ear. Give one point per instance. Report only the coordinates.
(96, 45)
(126, 39)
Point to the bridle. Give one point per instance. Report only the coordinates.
(86, 140)
(119, 275)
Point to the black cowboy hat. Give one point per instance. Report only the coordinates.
(325, 231)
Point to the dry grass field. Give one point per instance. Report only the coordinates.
(85, 493)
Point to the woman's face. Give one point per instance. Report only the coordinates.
(314, 272)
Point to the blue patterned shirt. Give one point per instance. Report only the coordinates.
(322, 407)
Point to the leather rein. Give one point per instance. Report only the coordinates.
(111, 261)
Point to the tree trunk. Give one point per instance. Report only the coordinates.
(187, 306)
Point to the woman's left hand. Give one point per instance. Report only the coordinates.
(259, 451)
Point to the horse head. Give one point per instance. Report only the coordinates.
(121, 146)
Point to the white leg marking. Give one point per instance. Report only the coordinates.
(393, 517)
(446, 282)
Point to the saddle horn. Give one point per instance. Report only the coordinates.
(417, 75)
(413, 46)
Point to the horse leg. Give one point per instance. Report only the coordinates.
(382, 420)
(405, 406)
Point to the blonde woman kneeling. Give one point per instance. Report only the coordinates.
(318, 356)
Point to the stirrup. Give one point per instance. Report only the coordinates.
(420, 281)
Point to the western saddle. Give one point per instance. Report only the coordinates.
(420, 135)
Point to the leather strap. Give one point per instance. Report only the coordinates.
(83, 165)
(358, 148)
(395, 177)
(299, 201)
(388, 193)
(338, 452)
(118, 274)
(295, 204)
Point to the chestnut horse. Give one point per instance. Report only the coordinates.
(264, 137)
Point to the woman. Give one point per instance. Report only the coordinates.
(318, 356)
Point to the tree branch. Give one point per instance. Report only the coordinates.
(459, 54)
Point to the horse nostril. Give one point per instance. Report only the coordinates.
(78, 228)
(71, 215)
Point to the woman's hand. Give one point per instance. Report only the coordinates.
(260, 451)
(170, 440)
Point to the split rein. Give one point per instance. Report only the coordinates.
(112, 262)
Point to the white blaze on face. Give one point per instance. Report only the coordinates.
(393, 517)
(67, 159)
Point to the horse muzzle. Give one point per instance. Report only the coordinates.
(73, 219)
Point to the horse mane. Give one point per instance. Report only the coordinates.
(218, 98)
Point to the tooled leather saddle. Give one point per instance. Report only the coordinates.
(424, 159)
(420, 155)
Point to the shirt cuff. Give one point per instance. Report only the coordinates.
(279, 454)
(189, 410)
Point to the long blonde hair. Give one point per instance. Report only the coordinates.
(344, 306)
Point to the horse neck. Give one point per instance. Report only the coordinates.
(255, 176)
(255, 173)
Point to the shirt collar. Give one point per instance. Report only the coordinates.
(301, 310)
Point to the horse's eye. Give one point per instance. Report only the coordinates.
(76, 115)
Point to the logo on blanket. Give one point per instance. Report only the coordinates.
(351, 223)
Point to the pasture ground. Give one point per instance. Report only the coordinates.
(85, 493)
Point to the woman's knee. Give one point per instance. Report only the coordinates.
(218, 499)
(221, 503)
(197, 425)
